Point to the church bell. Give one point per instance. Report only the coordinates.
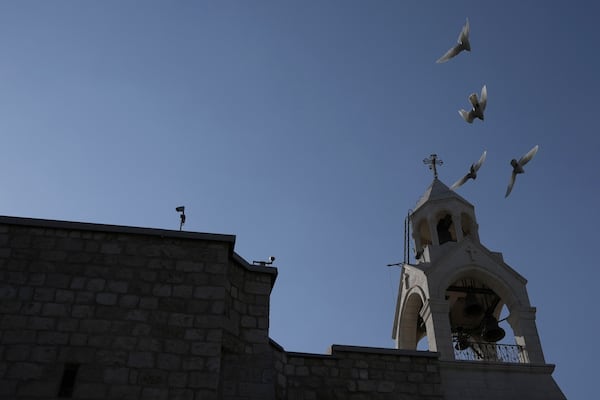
(491, 332)
(472, 306)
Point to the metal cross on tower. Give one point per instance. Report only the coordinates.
(432, 161)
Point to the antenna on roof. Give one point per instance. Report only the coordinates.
(181, 209)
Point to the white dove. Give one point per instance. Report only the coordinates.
(463, 44)
(472, 174)
(478, 106)
(518, 168)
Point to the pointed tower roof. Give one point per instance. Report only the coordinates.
(438, 191)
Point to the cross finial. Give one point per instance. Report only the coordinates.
(432, 161)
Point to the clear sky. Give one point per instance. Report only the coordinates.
(301, 126)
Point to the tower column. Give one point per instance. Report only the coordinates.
(439, 334)
(522, 321)
(457, 227)
(435, 240)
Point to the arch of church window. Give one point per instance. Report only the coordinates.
(424, 234)
(467, 224)
(445, 228)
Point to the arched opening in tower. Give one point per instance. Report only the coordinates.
(412, 327)
(478, 323)
(445, 229)
(424, 234)
(466, 223)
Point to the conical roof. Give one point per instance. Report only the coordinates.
(438, 191)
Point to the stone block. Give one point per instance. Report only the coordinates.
(139, 359)
(205, 349)
(8, 291)
(192, 363)
(203, 380)
(44, 294)
(259, 288)
(78, 339)
(82, 311)
(136, 315)
(185, 320)
(65, 296)
(29, 308)
(125, 392)
(117, 286)
(149, 344)
(53, 255)
(56, 280)
(96, 284)
(168, 361)
(197, 306)
(94, 326)
(106, 298)
(16, 277)
(25, 293)
(8, 388)
(184, 291)
(110, 248)
(78, 282)
(176, 346)
(25, 371)
(100, 341)
(209, 292)
(386, 387)
(50, 337)
(129, 301)
(116, 375)
(148, 276)
(40, 323)
(189, 266)
(150, 303)
(19, 352)
(116, 357)
(35, 389)
(56, 310)
(13, 322)
(124, 342)
(162, 290)
(37, 279)
(85, 390)
(141, 330)
(178, 379)
(18, 336)
(152, 377)
(248, 321)
(85, 297)
(155, 393)
(217, 307)
(44, 354)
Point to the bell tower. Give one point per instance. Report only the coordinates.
(458, 293)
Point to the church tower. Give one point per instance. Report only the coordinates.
(470, 305)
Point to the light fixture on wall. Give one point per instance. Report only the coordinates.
(264, 263)
(181, 209)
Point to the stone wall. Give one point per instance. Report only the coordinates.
(135, 313)
(108, 312)
(362, 373)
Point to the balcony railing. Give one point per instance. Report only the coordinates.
(481, 351)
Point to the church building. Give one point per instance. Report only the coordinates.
(91, 311)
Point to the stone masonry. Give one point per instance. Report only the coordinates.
(93, 311)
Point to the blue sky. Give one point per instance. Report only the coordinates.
(301, 127)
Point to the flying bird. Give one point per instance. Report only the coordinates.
(518, 167)
(463, 44)
(478, 106)
(472, 174)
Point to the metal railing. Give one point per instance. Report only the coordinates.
(481, 351)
